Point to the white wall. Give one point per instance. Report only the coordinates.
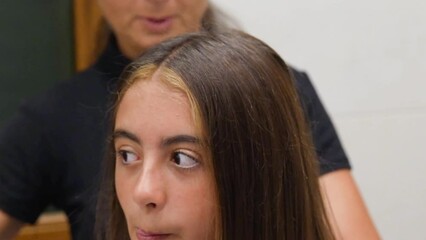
(367, 59)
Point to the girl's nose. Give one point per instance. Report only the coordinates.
(150, 192)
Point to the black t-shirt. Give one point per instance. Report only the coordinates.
(51, 150)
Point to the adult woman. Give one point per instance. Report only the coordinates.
(216, 152)
(50, 153)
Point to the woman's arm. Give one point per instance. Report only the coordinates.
(346, 210)
(9, 226)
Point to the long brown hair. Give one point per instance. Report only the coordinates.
(264, 166)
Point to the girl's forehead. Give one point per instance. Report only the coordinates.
(156, 86)
(151, 92)
(152, 103)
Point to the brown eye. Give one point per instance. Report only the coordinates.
(183, 160)
(127, 156)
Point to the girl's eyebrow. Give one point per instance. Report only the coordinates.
(183, 138)
(119, 133)
(180, 139)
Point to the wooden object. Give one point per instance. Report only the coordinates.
(50, 226)
(87, 24)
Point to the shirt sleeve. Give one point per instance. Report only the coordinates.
(327, 145)
(24, 186)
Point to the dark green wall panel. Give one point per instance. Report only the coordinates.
(36, 49)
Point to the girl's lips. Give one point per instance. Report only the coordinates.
(157, 25)
(142, 235)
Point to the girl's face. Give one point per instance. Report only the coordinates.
(141, 24)
(163, 182)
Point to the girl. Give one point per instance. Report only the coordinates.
(209, 142)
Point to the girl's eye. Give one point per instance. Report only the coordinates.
(183, 160)
(126, 156)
